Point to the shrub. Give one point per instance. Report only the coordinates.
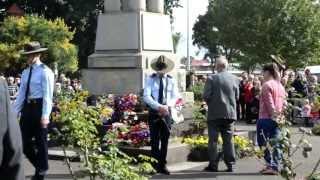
(15, 32)
(316, 130)
(197, 90)
(78, 125)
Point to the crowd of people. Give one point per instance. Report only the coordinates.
(62, 83)
(301, 91)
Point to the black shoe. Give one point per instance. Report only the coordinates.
(230, 169)
(211, 169)
(37, 177)
(164, 171)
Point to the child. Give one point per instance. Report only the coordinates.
(306, 112)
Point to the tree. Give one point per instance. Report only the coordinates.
(255, 29)
(80, 15)
(54, 34)
(176, 38)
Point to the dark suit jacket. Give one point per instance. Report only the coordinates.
(221, 93)
(11, 162)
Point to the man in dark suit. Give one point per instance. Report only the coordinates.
(11, 162)
(221, 94)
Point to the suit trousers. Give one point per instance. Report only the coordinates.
(160, 133)
(225, 128)
(34, 136)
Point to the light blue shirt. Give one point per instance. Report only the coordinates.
(41, 86)
(151, 91)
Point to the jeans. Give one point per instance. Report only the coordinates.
(268, 129)
(225, 127)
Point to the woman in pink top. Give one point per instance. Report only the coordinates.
(271, 104)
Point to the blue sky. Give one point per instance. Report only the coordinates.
(197, 7)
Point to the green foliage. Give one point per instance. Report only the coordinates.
(176, 37)
(197, 90)
(199, 122)
(314, 177)
(54, 34)
(316, 130)
(170, 5)
(115, 165)
(78, 125)
(80, 15)
(255, 29)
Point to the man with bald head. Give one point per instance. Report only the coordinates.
(221, 94)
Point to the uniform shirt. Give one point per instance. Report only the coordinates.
(41, 86)
(151, 91)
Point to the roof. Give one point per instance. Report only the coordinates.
(14, 9)
(203, 62)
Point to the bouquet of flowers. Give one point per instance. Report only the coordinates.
(140, 135)
(137, 135)
(124, 107)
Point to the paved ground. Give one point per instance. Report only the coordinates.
(246, 168)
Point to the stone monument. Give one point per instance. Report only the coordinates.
(128, 38)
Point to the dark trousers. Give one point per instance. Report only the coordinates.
(160, 133)
(34, 137)
(238, 111)
(225, 128)
(268, 129)
(243, 109)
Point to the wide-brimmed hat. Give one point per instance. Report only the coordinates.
(279, 61)
(162, 64)
(32, 47)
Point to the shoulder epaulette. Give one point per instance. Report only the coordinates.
(43, 66)
(169, 76)
(154, 75)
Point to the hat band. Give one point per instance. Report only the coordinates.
(32, 48)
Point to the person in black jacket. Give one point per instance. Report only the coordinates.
(11, 162)
(299, 85)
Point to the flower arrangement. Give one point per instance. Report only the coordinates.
(243, 146)
(124, 107)
(140, 135)
(137, 135)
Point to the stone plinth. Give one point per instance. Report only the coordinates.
(156, 6)
(133, 32)
(126, 44)
(112, 5)
(135, 5)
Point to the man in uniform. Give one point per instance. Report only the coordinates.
(11, 163)
(34, 102)
(160, 94)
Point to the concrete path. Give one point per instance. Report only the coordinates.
(247, 169)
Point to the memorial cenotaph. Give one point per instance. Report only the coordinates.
(130, 34)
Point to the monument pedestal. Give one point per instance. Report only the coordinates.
(126, 43)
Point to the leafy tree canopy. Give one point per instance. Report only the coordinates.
(252, 30)
(54, 34)
(80, 15)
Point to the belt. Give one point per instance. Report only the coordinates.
(34, 101)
